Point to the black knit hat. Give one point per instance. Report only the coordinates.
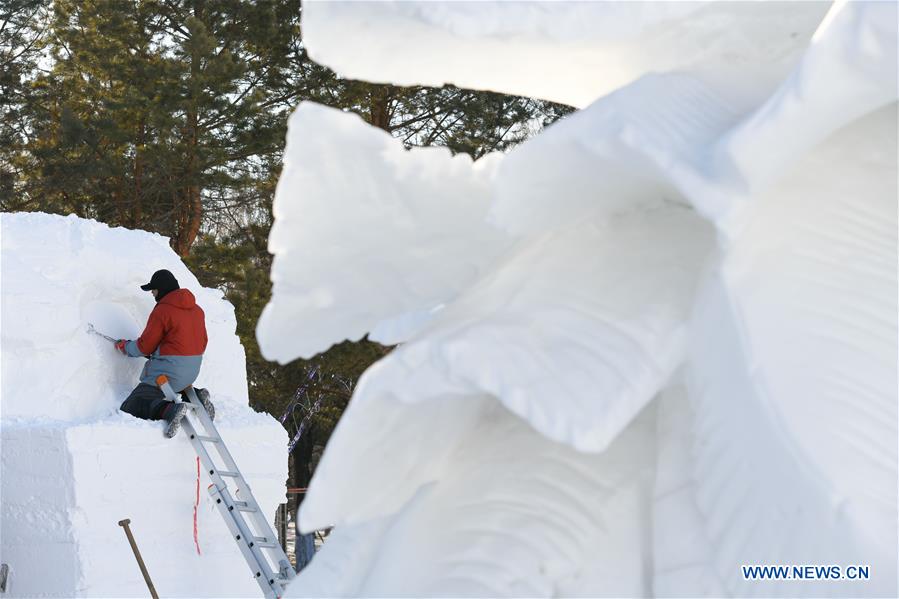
(162, 281)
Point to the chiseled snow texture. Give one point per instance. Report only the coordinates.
(368, 220)
(684, 357)
(569, 52)
(72, 464)
(793, 369)
(487, 508)
(545, 310)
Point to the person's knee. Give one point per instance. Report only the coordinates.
(129, 406)
(142, 400)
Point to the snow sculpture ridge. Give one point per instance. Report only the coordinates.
(402, 210)
(568, 52)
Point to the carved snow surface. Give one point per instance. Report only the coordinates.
(359, 225)
(672, 349)
(793, 372)
(600, 336)
(490, 510)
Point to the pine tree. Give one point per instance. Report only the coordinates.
(155, 112)
(23, 24)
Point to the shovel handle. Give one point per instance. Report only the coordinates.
(140, 562)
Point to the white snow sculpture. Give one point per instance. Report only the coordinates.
(774, 443)
(72, 464)
(389, 213)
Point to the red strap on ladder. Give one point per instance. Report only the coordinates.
(196, 505)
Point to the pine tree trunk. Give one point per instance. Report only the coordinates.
(175, 239)
(119, 204)
(379, 107)
(191, 207)
(137, 204)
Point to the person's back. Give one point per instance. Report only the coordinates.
(173, 342)
(174, 338)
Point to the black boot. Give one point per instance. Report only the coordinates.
(173, 415)
(203, 394)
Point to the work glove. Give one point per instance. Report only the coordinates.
(120, 345)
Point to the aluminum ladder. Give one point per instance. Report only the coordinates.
(253, 541)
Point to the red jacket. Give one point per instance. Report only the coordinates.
(177, 326)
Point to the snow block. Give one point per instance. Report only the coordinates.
(73, 465)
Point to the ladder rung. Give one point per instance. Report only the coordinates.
(244, 506)
(228, 473)
(264, 542)
(209, 439)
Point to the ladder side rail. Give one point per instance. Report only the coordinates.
(262, 524)
(233, 520)
(222, 448)
(233, 517)
(280, 558)
(229, 462)
(261, 573)
(206, 421)
(205, 459)
(264, 527)
(246, 493)
(243, 534)
(225, 502)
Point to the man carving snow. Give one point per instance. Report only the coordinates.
(173, 343)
